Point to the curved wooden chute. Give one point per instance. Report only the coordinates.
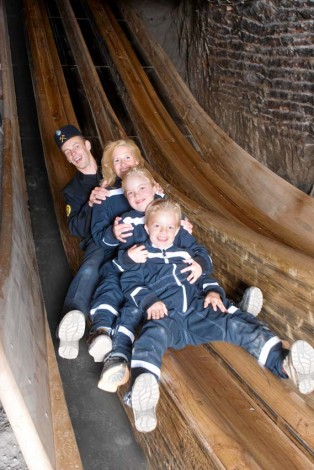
(218, 409)
(30, 385)
(222, 176)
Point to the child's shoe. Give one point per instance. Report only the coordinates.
(252, 301)
(70, 331)
(299, 366)
(115, 373)
(144, 398)
(100, 344)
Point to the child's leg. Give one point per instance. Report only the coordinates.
(252, 301)
(106, 303)
(145, 397)
(235, 327)
(238, 328)
(299, 366)
(154, 340)
(244, 330)
(156, 337)
(116, 364)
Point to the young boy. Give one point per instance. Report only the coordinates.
(183, 316)
(140, 190)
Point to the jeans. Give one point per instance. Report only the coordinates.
(85, 280)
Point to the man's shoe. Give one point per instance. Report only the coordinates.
(115, 373)
(252, 301)
(299, 366)
(100, 344)
(144, 398)
(70, 331)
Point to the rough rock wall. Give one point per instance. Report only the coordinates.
(250, 64)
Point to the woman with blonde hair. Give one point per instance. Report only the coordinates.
(118, 158)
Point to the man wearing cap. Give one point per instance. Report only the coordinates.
(80, 194)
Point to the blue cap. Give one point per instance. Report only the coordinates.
(65, 133)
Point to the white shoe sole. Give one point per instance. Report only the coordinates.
(302, 355)
(101, 345)
(70, 331)
(145, 396)
(112, 378)
(252, 301)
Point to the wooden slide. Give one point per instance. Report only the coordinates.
(30, 386)
(218, 408)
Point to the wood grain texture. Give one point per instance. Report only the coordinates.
(223, 170)
(26, 360)
(55, 108)
(195, 430)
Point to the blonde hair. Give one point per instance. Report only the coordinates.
(159, 205)
(107, 161)
(141, 171)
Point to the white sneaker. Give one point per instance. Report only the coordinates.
(145, 396)
(100, 346)
(70, 331)
(252, 301)
(299, 366)
(115, 373)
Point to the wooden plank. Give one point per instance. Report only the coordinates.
(292, 413)
(265, 203)
(210, 407)
(108, 125)
(66, 449)
(25, 364)
(55, 108)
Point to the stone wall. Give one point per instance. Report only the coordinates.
(250, 64)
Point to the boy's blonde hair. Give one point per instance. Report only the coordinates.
(107, 162)
(164, 205)
(141, 171)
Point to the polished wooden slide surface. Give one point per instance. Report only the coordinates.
(30, 386)
(220, 176)
(218, 409)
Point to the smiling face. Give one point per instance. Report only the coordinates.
(123, 160)
(77, 152)
(139, 191)
(162, 227)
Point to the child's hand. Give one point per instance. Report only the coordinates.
(214, 299)
(98, 195)
(157, 311)
(138, 253)
(122, 231)
(194, 268)
(186, 224)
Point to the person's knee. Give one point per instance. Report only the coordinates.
(156, 333)
(88, 269)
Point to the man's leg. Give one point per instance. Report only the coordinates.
(77, 302)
